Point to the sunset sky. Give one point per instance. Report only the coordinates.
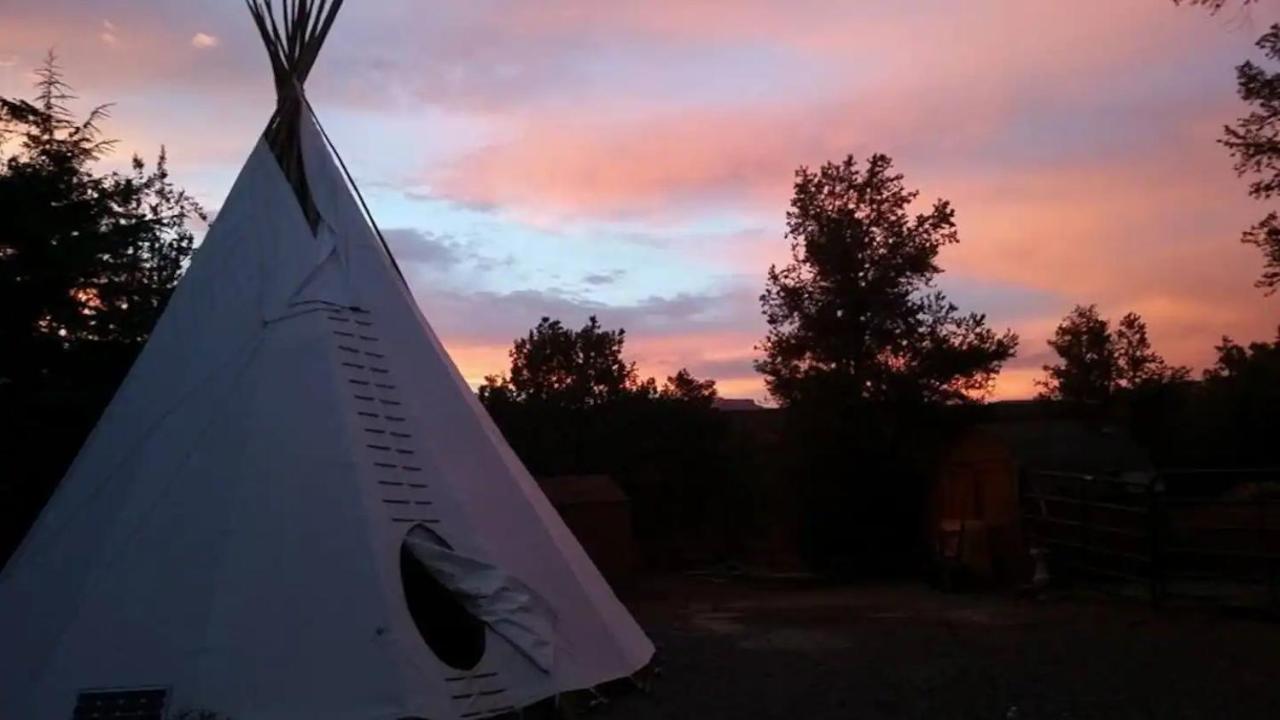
(633, 160)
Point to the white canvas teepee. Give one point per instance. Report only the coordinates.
(294, 507)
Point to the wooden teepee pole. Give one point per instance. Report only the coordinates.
(293, 43)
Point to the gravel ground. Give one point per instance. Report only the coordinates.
(741, 651)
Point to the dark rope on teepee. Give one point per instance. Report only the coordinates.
(356, 188)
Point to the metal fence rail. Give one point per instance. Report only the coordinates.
(1170, 531)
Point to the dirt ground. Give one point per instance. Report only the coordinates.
(750, 650)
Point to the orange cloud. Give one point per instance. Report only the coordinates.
(475, 361)
(1017, 384)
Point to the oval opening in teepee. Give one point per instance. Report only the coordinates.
(456, 636)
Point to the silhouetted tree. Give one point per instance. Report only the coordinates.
(854, 314)
(1137, 363)
(571, 368)
(1229, 418)
(1254, 144)
(87, 262)
(571, 403)
(1240, 399)
(861, 348)
(1087, 370)
(84, 257)
(1213, 5)
(684, 387)
(1097, 362)
(1236, 362)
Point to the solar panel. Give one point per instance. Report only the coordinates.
(134, 704)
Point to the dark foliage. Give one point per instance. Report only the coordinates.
(1254, 142)
(1214, 5)
(83, 257)
(1227, 419)
(557, 366)
(87, 262)
(684, 387)
(862, 351)
(854, 313)
(1113, 372)
(1230, 418)
(1098, 362)
(572, 404)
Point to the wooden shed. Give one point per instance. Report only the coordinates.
(598, 513)
(975, 502)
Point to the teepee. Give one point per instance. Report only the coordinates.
(294, 507)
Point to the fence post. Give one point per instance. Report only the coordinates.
(1155, 562)
(1264, 550)
(1085, 517)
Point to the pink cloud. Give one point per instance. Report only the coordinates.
(677, 162)
(204, 41)
(934, 86)
(1076, 139)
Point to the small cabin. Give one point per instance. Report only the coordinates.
(975, 508)
(598, 513)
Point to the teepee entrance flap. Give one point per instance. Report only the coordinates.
(505, 603)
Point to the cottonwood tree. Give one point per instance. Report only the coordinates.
(1086, 371)
(861, 349)
(1097, 362)
(854, 314)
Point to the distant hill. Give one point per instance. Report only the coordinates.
(737, 405)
